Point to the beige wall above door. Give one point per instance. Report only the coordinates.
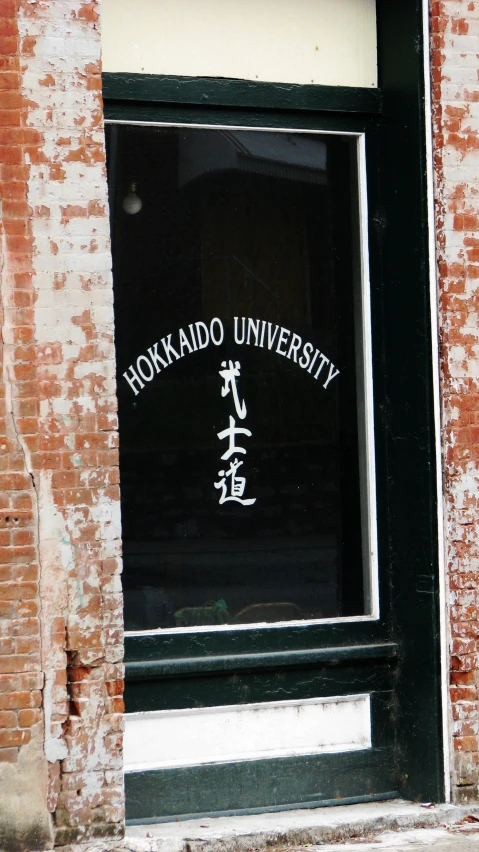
(329, 42)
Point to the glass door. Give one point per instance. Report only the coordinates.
(260, 664)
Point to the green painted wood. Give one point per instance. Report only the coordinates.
(210, 690)
(251, 786)
(402, 329)
(137, 670)
(212, 116)
(256, 640)
(208, 91)
(406, 687)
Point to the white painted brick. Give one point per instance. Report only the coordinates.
(67, 192)
(92, 227)
(453, 92)
(83, 369)
(102, 314)
(66, 262)
(457, 174)
(469, 124)
(458, 44)
(452, 157)
(71, 99)
(67, 331)
(473, 107)
(58, 244)
(74, 299)
(463, 59)
(62, 119)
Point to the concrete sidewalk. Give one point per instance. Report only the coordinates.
(376, 827)
(418, 840)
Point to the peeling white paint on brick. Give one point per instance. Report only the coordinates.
(73, 321)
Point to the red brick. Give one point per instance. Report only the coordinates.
(464, 693)
(9, 45)
(7, 609)
(8, 755)
(28, 608)
(34, 380)
(22, 537)
(10, 154)
(8, 719)
(27, 718)
(18, 591)
(9, 80)
(20, 700)
(27, 645)
(16, 663)
(469, 744)
(9, 8)
(14, 737)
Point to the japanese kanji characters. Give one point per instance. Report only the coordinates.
(237, 485)
(230, 374)
(231, 433)
(233, 486)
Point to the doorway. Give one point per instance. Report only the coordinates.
(266, 667)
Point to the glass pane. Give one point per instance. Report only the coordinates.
(236, 293)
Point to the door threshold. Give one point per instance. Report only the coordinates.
(298, 827)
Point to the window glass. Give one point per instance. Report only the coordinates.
(239, 375)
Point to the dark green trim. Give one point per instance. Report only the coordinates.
(407, 500)
(147, 669)
(250, 687)
(211, 665)
(255, 640)
(237, 117)
(254, 786)
(208, 91)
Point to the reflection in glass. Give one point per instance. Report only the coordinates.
(237, 352)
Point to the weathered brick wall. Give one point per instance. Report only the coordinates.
(455, 75)
(60, 592)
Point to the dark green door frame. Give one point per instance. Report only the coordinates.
(399, 655)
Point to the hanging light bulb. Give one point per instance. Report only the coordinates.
(132, 203)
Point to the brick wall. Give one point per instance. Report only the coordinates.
(455, 75)
(60, 592)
